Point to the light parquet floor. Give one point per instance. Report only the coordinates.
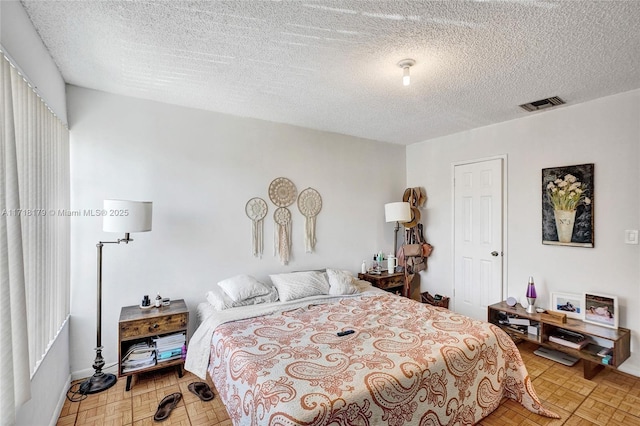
(118, 407)
(611, 398)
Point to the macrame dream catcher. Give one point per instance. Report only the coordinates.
(309, 204)
(282, 218)
(282, 193)
(256, 210)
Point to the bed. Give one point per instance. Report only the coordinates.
(283, 363)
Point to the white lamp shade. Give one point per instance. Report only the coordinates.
(397, 212)
(127, 216)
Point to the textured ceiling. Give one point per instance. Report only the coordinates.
(331, 65)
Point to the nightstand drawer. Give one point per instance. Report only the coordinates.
(152, 326)
(385, 280)
(393, 281)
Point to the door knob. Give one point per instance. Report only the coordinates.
(494, 253)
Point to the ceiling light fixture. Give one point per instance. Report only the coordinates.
(405, 64)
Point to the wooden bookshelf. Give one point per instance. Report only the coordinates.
(619, 340)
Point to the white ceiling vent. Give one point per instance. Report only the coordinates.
(542, 104)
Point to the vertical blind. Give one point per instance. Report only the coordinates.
(42, 153)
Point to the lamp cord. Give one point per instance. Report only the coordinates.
(73, 393)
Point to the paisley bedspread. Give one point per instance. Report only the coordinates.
(407, 363)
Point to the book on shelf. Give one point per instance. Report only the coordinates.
(169, 341)
(519, 321)
(597, 350)
(569, 339)
(170, 355)
(169, 347)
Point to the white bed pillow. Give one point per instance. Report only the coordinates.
(220, 301)
(296, 285)
(363, 285)
(243, 287)
(204, 311)
(341, 282)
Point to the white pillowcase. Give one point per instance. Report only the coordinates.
(220, 301)
(242, 287)
(204, 311)
(363, 285)
(297, 285)
(341, 282)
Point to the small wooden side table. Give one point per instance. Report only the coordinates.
(390, 282)
(141, 325)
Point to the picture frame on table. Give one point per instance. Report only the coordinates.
(568, 303)
(601, 309)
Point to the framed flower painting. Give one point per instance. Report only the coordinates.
(567, 205)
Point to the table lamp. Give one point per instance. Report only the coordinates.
(531, 296)
(397, 212)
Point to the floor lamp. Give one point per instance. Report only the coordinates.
(397, 212)
(124, 217)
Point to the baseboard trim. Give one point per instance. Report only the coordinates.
(88, 372)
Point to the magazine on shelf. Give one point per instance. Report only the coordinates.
(139, 356)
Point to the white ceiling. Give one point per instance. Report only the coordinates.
(331, 65)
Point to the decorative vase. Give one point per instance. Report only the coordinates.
(565, 219)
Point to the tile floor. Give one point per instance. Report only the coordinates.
(611, 398)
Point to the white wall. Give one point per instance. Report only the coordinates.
(200, 168)
(605, 132)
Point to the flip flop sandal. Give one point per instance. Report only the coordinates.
(167, 404)
(202, 390)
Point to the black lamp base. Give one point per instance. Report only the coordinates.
(97, 383)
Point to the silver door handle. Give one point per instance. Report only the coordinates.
(494, 253)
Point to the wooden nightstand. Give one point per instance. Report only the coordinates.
(386, 281)
(142, 325)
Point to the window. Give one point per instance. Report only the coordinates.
(34, 230)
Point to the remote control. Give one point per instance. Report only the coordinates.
(344, 333)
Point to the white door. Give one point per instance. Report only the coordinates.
(477, 236)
